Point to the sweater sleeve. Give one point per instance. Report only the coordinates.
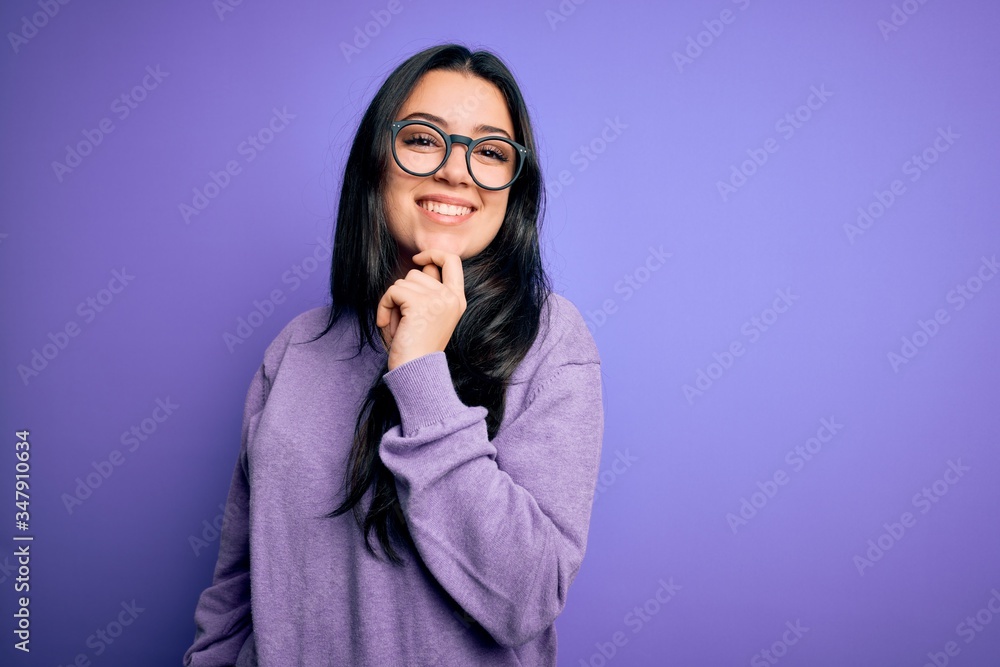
(505, 543)
(222, 617)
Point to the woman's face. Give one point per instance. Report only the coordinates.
(458, 104)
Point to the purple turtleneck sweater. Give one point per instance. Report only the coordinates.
(500, 527)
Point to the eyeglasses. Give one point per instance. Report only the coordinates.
(422, 148)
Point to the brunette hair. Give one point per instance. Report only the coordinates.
(505, 285)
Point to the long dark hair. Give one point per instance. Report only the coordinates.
(505, 285)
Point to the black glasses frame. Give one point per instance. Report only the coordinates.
(468, 142)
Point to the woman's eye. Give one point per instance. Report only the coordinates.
(493, 152)
(421, 140)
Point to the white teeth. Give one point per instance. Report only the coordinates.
(445, 209)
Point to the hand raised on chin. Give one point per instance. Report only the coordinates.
(418, 314)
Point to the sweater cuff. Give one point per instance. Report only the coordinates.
(423, 391)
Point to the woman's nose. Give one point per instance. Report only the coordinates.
(455, 169)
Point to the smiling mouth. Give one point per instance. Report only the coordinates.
(444, 209)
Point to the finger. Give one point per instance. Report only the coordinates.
(407, 289)
(394, 322)
(420, 281)
(451, 268)
(433, 271)
(390, 308)
(389, 301)
(388, 330)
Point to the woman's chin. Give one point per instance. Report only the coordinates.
(446, 243)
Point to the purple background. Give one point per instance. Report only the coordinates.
(676, 464)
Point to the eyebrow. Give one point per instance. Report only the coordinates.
(443, 123)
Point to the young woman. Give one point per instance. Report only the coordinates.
(418, 460)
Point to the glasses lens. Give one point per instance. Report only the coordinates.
(495, 162)
(420, 148)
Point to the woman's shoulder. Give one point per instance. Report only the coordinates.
(563, 336)
(303, 328)
(307, 324)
